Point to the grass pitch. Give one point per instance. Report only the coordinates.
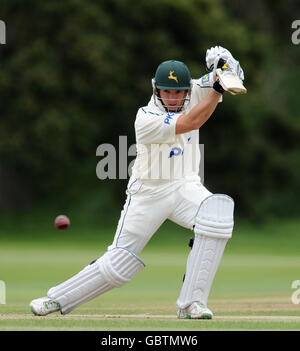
(252, 289)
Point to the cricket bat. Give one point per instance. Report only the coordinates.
(230, 81)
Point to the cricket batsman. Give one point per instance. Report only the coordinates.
(165, 184)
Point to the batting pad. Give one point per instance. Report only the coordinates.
(213, 228)
(114, 269)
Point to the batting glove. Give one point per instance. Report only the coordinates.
(213, 56)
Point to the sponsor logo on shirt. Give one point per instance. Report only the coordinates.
(176, 151)
(169, 116)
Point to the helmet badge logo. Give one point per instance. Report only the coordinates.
(172, 77)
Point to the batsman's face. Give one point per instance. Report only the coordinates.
(173, 99)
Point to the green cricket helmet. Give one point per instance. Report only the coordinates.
(171, 75)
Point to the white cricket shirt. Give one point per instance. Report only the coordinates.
(163, 156)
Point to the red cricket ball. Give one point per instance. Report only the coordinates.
(62, 222)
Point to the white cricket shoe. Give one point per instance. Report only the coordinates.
(195, 311)
(43, 306)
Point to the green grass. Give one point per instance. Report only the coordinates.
(252, 289)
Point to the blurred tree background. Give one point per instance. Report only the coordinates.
(73, 74)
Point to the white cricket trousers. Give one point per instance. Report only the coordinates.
(147, 207)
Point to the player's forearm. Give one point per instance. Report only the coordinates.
(198, 114)
(202, 111)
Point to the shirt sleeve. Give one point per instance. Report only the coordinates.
(154, 128)
(202, 86)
